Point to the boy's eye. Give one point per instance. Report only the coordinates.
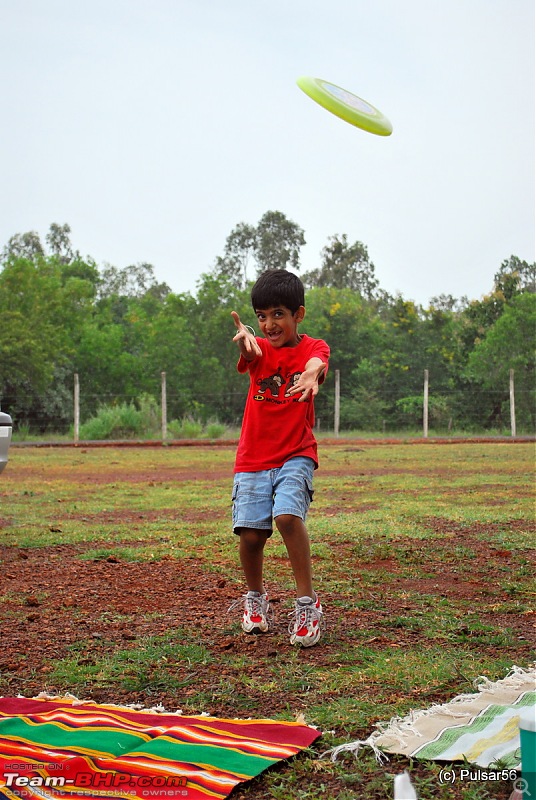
(277, 314)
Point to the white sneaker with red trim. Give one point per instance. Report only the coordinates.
(256, 610)
(305, 627)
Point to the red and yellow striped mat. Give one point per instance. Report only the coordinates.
(65, 748)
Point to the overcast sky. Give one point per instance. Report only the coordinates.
(153, 127)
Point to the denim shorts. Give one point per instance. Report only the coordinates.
(259, 496)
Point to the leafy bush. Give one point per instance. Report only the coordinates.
(114, 422)
(186, 428)
(364, 410)
(412, 409)
(192, 428)
(143, 420)
(215, 429)
(151, 412)
(22, 432)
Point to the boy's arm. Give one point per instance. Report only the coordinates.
(246, 341)
(308, 381)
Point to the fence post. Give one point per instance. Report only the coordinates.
(337, 402)
(164, 407)
(512, 405)
(76, 408)
(425, 406)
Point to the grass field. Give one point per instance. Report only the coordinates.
(118, 567)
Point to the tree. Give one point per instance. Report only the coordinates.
(278, 241)
(515, 276)
(447, 303)
(28, 245)
(482, 399)
(218, 386)
(239, 249)
(345, 266)
(274, 243)
(23, 245)
(39, 317)
(132, 281)
(106, 366)
(59, 242)
(353, 331)
(509, 344)
(45, 302)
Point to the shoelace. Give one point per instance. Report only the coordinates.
(302, 615)
(254, 604)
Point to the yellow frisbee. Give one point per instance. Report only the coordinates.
(346, 105)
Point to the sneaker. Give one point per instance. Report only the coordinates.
(305, 628)
(256, 609)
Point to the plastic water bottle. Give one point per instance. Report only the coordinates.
(404, 788)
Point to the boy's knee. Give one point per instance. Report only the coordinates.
(287, 523)
(252, 537)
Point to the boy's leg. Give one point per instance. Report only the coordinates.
(293, 493)
(255, 601)
(305, 629)
(252, 544)
(296, 540)
(252, 522)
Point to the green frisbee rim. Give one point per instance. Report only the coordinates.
(347, 106)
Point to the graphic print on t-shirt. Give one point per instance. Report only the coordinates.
(293, 379)
(273, 383)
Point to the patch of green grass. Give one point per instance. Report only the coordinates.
(155, 663)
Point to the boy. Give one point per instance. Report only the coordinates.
(277, 451)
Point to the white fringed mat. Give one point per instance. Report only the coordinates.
(481, 728)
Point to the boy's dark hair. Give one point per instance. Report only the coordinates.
(278, 287)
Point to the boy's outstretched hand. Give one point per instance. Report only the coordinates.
(246, 340)
(308, 381)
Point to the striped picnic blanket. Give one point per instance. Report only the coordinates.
(481, 728)
(65, 748)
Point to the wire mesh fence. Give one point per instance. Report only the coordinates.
(83, 415)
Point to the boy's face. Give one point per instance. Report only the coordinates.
(279, 325)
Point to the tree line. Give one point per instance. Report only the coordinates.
(119, 328)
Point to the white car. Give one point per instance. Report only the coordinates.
(6, 426)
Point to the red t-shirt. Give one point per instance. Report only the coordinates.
(275, 426)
